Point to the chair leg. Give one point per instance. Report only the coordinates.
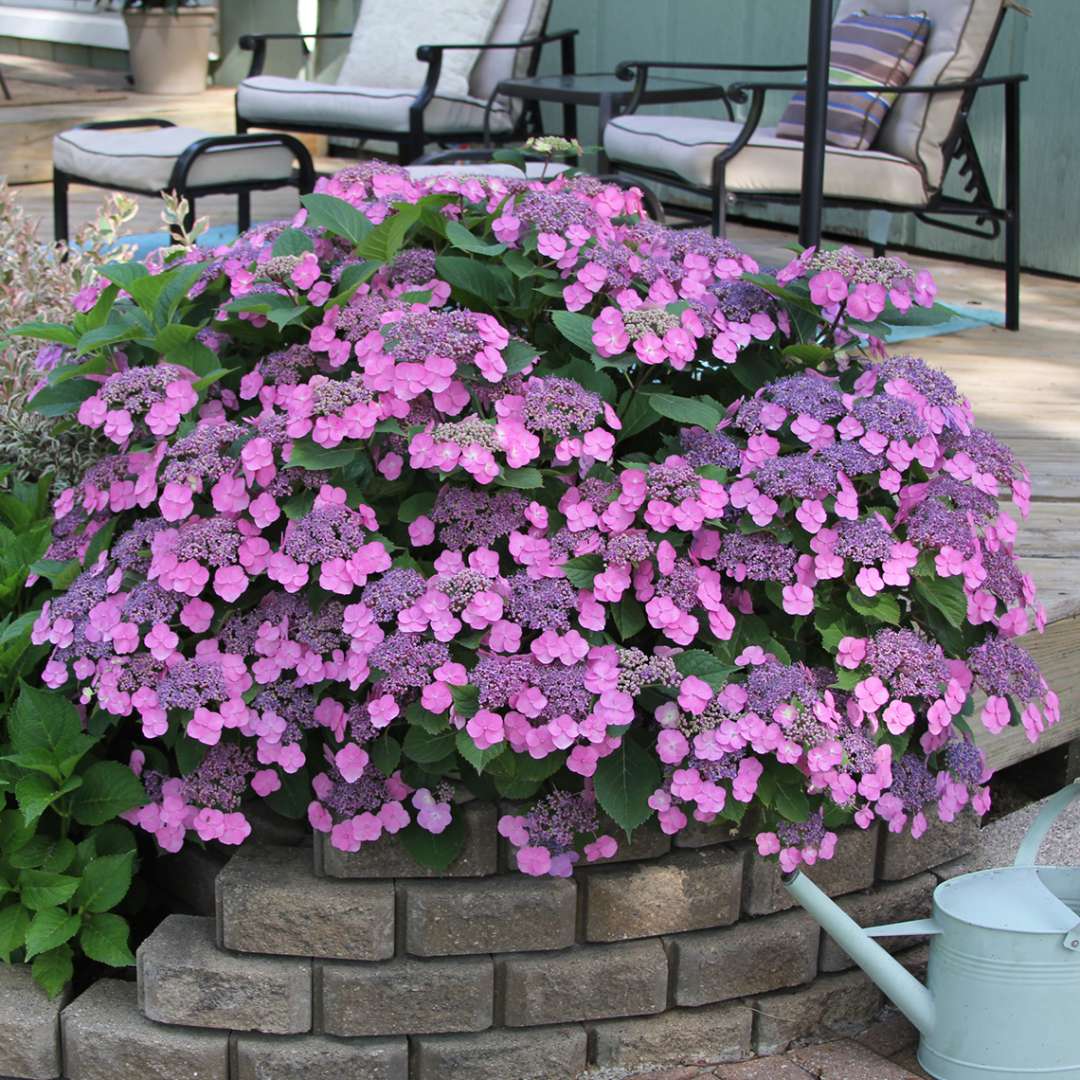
(719, 201)
(1012, 206)
(60, 206)
(243, 211)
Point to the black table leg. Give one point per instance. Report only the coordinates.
(606, 106)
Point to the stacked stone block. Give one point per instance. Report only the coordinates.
(363, 966)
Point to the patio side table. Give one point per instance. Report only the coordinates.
(606, 92)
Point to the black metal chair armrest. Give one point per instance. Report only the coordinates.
(432, 55)
(178, 181)
(739, 91)
(625, 68)
(256, 45)
(426, 52)
(638, 70)
(107, 125)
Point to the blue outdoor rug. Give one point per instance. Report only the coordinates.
(966, 316)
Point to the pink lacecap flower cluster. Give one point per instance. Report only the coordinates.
(406, 526)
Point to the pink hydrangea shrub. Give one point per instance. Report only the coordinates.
(497, 486)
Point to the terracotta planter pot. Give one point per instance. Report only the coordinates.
(170, 51)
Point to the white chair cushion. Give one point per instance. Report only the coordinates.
(275, 100)
(960, 33)
(143, 158)
(686, 146)
(382, 52)
(534, 170)
(519, 20)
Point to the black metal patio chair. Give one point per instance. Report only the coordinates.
(411, 117)
(925, 137)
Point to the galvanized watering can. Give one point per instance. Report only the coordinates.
(1003, 994)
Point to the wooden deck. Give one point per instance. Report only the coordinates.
(80, 94)
(1024, 387)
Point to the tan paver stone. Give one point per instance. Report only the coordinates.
(846, 1060)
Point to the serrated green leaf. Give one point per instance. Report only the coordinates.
(518, 355)
(883, 607)
(705, 666)
(105, 882)
(461, 238)
(292, 242)
(416, 506)
(686, 410)
(36, 793)
(104, 938)
(62, 399)
(489, 282)
(424, 747)
(581, 571)
(14, 919)
(385, 239)
(53, 970)
(108, 789)
(43, 720)
(526, 479)
(477, 758)
(946, 595)
(790, 800)
(623, 782)
(628, 616)
(309, 455)
(466, 700)
(48, 929)
(435, 851)
(41, 889)
(292, 798)
(336, 216)
(46, 331)
(576, 328)
(385, 753)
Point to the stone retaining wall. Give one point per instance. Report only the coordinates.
(360, 966)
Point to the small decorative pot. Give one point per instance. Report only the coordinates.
(170, 50)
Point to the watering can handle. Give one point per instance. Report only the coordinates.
(1054, 806)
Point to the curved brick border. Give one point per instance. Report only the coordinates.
(304, 968)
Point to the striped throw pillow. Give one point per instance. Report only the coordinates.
(867, 50)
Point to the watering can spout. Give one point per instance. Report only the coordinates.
(906, 992)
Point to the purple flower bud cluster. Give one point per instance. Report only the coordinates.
(148, 604)
(739, 300)
(559, 407)
(913, 783)
(406, 662)
(890, 416)
(934, 385)
(671, 481)
(331, 532)
(1002, 668)
(772, 684)
(629, 548)
(680, 585)
(756, 556)
(808, 394)
(420, 334)
(202, 454)
(908, 663)
(213, 541)
(468, 517)
(189, 684)
(288, 367)
(221, 778)
(800, 834)
(965, 761)
(638, 669)
(540, 603)
(557, 819)
(701, 447)
(866, 541)
(801, 476)
(393, 592)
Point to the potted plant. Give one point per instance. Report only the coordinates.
(169, 43)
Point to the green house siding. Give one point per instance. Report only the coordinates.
(774, 31)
